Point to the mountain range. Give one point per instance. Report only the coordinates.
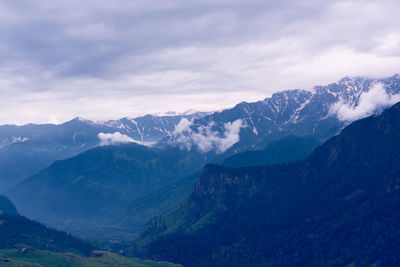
(36, 146)
(110, 191)
(338, 207)
(244, 127)
(321, 112)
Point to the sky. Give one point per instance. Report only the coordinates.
(110, 59)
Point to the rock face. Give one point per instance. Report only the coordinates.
(337, 207)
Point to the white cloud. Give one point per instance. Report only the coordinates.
(114, 138)
(118, 138)
(369, 102)
(205, 138)
(231, 135)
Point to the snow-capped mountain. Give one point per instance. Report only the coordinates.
(321, 112)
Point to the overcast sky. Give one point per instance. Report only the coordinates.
(109, 59)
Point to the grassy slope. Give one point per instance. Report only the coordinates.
(43, 258)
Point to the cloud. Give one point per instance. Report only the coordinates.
(205, 138)
(114, 138)
(376, 99)
(110, 59)
(118, 138)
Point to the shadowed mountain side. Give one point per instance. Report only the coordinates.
(290, 148)
(158, 202)
(337, 207)
(6, 206)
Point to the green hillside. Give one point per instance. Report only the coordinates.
(32, 257)
(15, 229)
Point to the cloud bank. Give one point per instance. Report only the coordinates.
(205, 138)
(110, 59)
(375, 100)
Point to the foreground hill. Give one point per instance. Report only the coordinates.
(338, 207)
(16, 229)
(24, 242)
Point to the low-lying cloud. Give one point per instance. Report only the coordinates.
(114, 138)
(107, 139)
(375, 100)
(205, 138)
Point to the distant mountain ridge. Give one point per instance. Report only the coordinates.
(36, 146)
